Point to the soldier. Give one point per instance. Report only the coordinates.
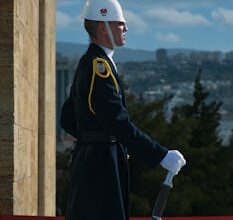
(96, 114)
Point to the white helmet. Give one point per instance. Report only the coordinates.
(103, 10)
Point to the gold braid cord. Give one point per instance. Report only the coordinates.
(102, 69)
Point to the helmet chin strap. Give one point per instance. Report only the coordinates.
(110, 34)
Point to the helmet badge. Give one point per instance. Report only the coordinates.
(103, 11)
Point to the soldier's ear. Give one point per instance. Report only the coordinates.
(103, 29)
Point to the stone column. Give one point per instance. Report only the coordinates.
(26, 95)
(47, 110)
(27, 106)
(19, 107)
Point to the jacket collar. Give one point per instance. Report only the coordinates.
(108, 51)
(96, 50)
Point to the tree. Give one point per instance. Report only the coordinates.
(231, 139)
(205, 116)
(62, 168)
(200, 121)
(194, 131)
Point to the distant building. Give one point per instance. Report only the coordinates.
(203, 56)
(215, 56)
(229, 56)
(180, 58)
(161, 56)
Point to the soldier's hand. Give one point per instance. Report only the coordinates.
(173, 161)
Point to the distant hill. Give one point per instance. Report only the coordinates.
(122, 54)
(71, 49)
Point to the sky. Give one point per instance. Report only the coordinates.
(190, 24)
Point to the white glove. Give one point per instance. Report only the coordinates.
(173, 161)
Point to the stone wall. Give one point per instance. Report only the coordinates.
(27, 104)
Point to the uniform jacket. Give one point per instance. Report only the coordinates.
(99, 186)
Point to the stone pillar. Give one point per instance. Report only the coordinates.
(26, 76)
(19, 106)
(47, 110)
(24, 116)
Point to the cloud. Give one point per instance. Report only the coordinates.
(168, 37)
(184, 4)
(67, 2)
(65, 21)
(223, 15)
(135, 22)
(171, 16)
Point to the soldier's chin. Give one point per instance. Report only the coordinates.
(122, 43)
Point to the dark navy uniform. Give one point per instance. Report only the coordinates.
(99, 188)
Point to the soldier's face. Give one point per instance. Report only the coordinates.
(119, 30)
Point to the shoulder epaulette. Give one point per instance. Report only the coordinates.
(102, 69)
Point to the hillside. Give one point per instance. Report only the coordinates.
(121, 54)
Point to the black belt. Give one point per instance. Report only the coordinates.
(95, 136)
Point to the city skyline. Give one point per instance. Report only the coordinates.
(200, 24)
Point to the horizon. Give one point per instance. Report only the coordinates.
(148, 50)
